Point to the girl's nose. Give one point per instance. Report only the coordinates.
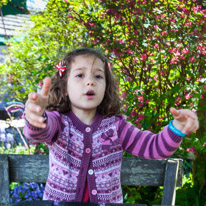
(90, 81)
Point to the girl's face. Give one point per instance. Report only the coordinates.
(86, 83)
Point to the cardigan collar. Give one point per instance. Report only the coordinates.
(81, 126)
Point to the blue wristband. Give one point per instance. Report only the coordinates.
(175, 130)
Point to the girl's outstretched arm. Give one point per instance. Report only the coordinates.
(36, 127)
(36, 104)
(161, 145)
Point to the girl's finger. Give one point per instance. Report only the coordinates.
(192, 115)
(36, 120)
(33, 96)
(189, 124)
(31, 107)
(174, 112)
(46, 87)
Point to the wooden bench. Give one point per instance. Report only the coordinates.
(135, 171)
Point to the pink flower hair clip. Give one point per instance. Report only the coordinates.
(61, 68)
(109, 65)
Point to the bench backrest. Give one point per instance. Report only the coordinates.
(135, 171)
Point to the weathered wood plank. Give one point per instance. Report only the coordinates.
(169, 192)
(4, 181)
(135, 171)
(28, 168)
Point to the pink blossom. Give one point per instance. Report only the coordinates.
(124, 94)
(139, 126)
(110, 11)
(185, 51)
(187, 96)
(140, 105)
(151, 59)
(184, 9)
(143, 57)
(164, 33)
(192, 149)
(171, 50)
(174, 30)
(129, 51)
(173, 60)
(140, 98)
(195, 9)
(70, 16)
(182, 57)
(162, 73)
(129, 79)
(162, 15)
(147, 101)
(156, 45)
(204, 87)
(135, 60)
(192, 59)
(188, 23)
(141, 117)
(92, 24)
(177, 53)
(133, 114)
(156, 27)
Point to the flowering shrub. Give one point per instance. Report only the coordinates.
(157, 49)
(26, 191)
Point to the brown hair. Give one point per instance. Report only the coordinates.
(59, 101)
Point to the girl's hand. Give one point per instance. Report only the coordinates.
(185, 120)
(36, 104)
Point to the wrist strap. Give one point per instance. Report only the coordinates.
(175, 130)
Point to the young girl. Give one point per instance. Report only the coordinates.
(77, 115)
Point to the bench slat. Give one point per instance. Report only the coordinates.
(4, 181)
(135, 171)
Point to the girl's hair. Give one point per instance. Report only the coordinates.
(58, 96)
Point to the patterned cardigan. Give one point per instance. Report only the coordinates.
(80, 153)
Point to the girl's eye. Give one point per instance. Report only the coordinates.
(99, 77)
(80, 75)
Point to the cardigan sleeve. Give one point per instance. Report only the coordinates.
(145, 143)
(50, 133)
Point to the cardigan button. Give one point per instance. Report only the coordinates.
(88, 129)
(91, 172)
(94, 192)
(87, 150)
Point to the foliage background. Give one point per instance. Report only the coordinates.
(157, 50)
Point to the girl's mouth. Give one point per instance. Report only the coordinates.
(90, 93)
